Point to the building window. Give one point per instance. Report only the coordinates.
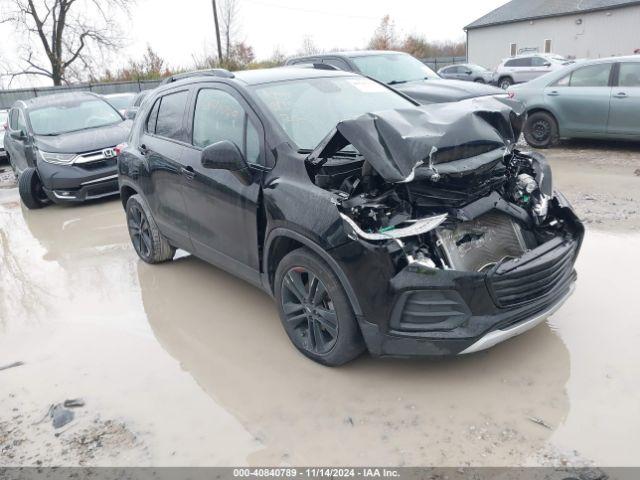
(514, 49)
(547, 46)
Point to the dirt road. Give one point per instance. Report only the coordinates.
(182, 364)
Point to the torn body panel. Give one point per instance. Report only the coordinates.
(473, 236)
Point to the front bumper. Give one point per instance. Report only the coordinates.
(75, 183)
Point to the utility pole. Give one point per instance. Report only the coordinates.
(215, 19)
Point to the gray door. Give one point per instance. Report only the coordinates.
(581, 99)
(625, 101)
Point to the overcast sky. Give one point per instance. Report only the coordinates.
(179, 29)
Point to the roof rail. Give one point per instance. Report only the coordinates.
(316, 66)
(213, 72)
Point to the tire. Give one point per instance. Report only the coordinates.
(150, 245)
(505, 82)
(31, 192)
(323, 328)
(541, 130)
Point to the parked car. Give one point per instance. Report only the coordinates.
(592, 99)
(409, 231)
(467, 72)
(132, 110)
(4, 117)
(61, 147)
(401, 71)
(121, 101)
(524, 68)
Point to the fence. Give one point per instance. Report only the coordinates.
(436, 63)
(9, 97)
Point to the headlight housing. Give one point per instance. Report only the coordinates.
(57, 158)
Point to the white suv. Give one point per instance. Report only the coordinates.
(527, 67)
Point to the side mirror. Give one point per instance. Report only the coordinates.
(130, 113)
(468, 72)
(226, 155)
(547, 64)
(18, 134)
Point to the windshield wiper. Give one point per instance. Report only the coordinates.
(397, 82)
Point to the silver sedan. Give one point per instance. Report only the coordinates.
(591, 99)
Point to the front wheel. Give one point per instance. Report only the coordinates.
(31, 190)
(148, 242)
(541, 130)
(505, 82)
(315, 310)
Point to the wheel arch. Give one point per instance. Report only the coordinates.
(281, 241)
(126, 192)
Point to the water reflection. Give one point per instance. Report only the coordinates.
(228, 336)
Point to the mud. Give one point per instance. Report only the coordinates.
(183, 364)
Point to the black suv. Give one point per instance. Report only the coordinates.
(407, 231)
(61, 147)
(403, 72)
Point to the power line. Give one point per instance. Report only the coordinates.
(308, 10)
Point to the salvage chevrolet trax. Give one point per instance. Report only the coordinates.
(373, 222)
(62, 148)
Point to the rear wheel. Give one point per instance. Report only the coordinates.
(479, 80)
(150, 245)
(541, 130)
(31, 191)
(505, 82)
(315, 310)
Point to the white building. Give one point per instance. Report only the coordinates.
(573, 28)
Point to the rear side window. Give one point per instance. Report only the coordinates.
(589, 76)
(153, 117)
(13, 119)
(629, 75)
(219, 116)
(170, 115)
(338, 63)
(519, 62)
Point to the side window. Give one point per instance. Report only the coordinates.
(152, 119)
(218, 116)
(171, 114)
(629, 75)
(538, 62)
(13, 119)
(338, 63)
(22, 124)
(591, 76)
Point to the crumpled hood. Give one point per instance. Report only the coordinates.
(85, 140)
(396, 142)
(442, 90)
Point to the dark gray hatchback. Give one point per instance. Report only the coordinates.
(61, 147)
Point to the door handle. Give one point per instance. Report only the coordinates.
(188, 172)
(553, 93)
(620, 95)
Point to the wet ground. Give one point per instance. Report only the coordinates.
(182, 364)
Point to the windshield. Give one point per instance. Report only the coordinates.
(72, 116)
(307, 110)
(120, 102)
(394, 69)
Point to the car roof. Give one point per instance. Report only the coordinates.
(121, 94)
(261, 76)
(352, 54)
(57, 99)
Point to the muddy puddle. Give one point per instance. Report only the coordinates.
(182, 364)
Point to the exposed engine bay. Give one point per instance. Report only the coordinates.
(440, 186)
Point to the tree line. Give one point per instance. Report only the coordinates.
(68, 41)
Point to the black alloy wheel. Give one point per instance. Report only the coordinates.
(148, 242)
(140, 232)
(309, 310)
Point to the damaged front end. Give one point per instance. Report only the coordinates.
(479, 242)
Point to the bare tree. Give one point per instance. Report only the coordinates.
(63, 38)
(384, 38)
(229, 11)
(308, 47)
